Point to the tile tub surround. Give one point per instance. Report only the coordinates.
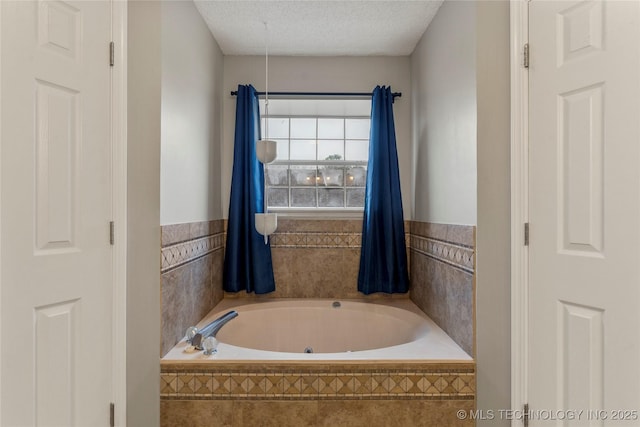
(325, 393)
(443, 277)
(314, 258)
(191, 263)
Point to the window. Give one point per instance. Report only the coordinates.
(322, 158)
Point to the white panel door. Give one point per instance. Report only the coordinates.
(56, 260)
(584, 325)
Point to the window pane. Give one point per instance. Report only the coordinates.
(277, 175)
(306, 137)
(329, 176)
(331, 128)
(283, 149)
(303, 197)
(356, 176)
(355, 197)
(278, 197)
(303, 149)
(303, 175)
(303, 128)
(357, 128)
(356, 150)
(331, 150)
(331, 197)
(278, 128)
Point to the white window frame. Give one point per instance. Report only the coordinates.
(316, 212)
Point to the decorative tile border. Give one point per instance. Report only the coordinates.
(315, 240)
(458, 256)
(307, 384)
(181, 253)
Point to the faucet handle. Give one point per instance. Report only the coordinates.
(196, 341)
(191, 332)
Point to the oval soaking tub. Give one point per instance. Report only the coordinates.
(324, 329)
(320, 326)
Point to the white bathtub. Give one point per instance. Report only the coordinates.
(281, 329)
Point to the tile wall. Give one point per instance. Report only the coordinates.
(443, 279)
(316, 259)
(192, 261)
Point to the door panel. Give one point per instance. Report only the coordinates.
(584, 142)
(56, 264)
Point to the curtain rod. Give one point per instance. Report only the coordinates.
(337, 94)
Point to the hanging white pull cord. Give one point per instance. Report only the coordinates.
(266, 83)
(266, 115)
(266, 151)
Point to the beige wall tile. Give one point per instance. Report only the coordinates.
(175, 303)
(443, 291)
(217, 266)
(316, 273)
(190, 291)
(187, 296)
(414, 413)
(196, 413)
(445, 294)
(330, 413)
(174, 233)
(274, 413)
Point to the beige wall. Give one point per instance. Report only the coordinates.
(192, 65)
(493, 304)
(143, 214)
(443, 86)
(461, 119)
(321, 74)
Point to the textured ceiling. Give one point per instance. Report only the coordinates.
(318, 28)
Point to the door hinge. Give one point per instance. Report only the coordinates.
(526, 234)
(525, 53)
(525, 415)
(112, 232)
(112, 414)
(112, 54)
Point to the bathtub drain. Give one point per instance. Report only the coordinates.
(308, 350)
